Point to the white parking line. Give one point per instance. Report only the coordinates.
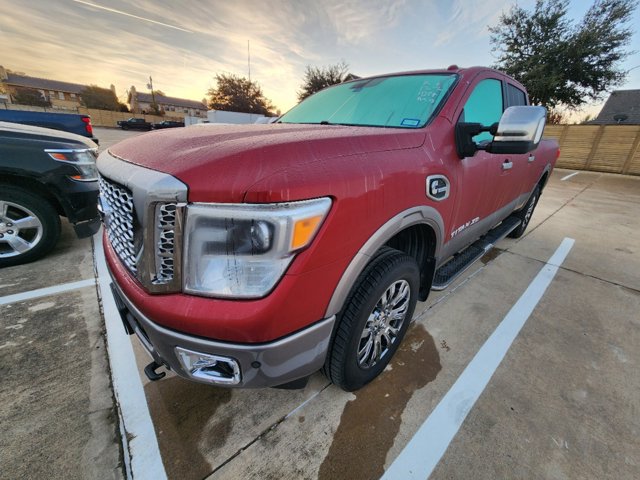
(423, 452)
(569, 176)
(43, 292)
(139, 436)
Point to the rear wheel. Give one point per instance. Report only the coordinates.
(525, 213)
(374, 320)
(29, 226)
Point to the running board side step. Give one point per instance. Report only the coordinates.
(448, 272)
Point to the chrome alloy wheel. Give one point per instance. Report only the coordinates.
(384, 323)
(20, 229)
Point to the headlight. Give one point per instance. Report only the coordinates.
(242, 251)
(84, 161)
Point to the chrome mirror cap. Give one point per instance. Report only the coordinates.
(520, 130)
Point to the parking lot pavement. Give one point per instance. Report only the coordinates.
(562, 404)
(57, 414)
(56, 408)
(111, 136)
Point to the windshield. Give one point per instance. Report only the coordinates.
(404, 101)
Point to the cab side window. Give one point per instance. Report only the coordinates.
(484, 106)
(515, 96)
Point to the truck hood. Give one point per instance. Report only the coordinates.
(219, 163)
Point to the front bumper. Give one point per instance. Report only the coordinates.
(260, 365)
(87, 228)
(79, 201)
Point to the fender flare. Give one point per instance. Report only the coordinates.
(412, 216)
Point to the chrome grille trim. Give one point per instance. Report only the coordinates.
(117, 202)
(165, 242)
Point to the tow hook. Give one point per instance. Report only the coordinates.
(150, 371)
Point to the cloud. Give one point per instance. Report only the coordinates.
(120, 12)
(357, 21)
(468, 18)
(72, 41)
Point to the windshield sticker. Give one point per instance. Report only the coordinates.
(410, 122)
(429, 93)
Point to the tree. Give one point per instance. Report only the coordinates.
(29, 96)
(94, 96)
(318, 78)
(238, 94)
(556, 117)
(562, 63)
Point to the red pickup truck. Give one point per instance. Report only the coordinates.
(253, 256)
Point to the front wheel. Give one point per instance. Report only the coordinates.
(525, 213)
(29, 226)
(374, 320)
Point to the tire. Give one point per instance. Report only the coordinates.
(525, 213)
(29, 226)
(366, 338)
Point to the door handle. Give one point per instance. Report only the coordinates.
(531, 158)
(507, 165)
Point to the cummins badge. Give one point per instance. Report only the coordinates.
(437, 187)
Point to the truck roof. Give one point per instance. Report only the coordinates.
(455, 69)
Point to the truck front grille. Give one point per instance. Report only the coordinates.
(144, 213)
(119, 221)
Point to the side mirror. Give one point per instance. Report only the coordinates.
(519, 130)
(464, 133)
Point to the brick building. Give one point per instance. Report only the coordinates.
(62, 95)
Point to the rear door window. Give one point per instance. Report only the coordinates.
(515, 96)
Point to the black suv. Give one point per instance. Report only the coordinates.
(44, 173)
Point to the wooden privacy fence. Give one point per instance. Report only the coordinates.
(603, 148)
(107, 118)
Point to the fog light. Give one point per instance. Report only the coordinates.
(209, 368)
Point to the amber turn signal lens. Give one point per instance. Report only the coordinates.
(303, 231)
(59, 156)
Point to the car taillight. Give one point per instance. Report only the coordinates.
(558, 154)
(87, 125)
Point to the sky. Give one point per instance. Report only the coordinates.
(184, 44)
